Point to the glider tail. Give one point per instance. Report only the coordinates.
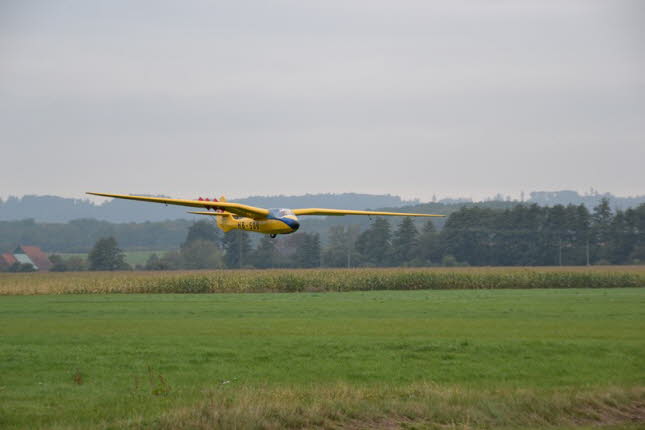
(225, 222)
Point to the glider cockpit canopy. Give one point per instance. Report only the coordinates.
(280, 212)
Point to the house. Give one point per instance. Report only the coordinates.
(6, 261)
(26, 255)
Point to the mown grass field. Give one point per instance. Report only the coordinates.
(484, 358)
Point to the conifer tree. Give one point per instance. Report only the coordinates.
(405, 243)
(374, 244)
(308, 253)
(265, 255)
(341, 250)
(428, 243)
(601, 230)
(238, 249)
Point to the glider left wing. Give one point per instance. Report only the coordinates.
(340, 212)
(234, 208)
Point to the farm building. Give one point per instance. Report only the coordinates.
(26, 255)
(7, 260)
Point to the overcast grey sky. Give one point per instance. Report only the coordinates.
(415, 98)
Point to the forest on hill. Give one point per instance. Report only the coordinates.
(60, 209)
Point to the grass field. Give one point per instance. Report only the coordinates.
(133, 258)
(532, 358)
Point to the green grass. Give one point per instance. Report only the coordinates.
(154, 360)
(133, 258)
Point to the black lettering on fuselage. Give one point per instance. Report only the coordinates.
(248, 225)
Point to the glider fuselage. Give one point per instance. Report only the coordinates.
(279, 221)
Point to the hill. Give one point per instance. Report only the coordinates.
(60, 209)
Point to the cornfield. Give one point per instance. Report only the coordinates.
(320, 280)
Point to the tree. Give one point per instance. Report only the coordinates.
(308, 253)
(238, 249)
(341, 251)
(106, 255)
(264, 256)
(374, 243)
(202, 254)
(76, 264)
(202, 230)
(58, 263)
(582, 229)
(636, 220)
(153, 263)
(201, 248)
(555, 235)
(171, 260)
(428, 244)
(468, 235)
(405, 243)
(69, 264)
(601, 230)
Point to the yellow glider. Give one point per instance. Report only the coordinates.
(232, 216)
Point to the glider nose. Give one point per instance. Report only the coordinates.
(292, 223)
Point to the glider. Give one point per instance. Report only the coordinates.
(231, 216)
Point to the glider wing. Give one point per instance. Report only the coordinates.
(341, 212)
(234, 208)
(211, 213)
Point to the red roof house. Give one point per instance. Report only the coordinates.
(6, 260)
(36, 255)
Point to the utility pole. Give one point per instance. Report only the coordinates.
(587, 252)
(560, 251)
(349, 252)
(349, 248)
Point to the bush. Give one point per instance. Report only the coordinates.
(449, 261)
(21, 268)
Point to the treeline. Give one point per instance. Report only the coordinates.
(80, 235)
(542, 236)
(525, 235)
(520, 235)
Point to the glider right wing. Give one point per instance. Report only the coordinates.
(341, 212)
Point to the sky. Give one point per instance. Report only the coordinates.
(409, 97)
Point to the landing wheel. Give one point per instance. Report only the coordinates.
(272, 236)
